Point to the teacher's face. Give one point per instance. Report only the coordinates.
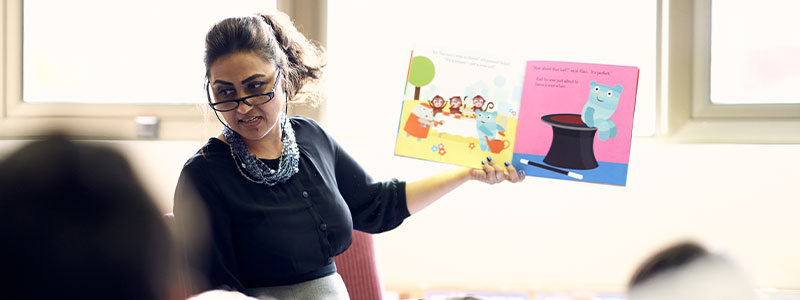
(243, 74)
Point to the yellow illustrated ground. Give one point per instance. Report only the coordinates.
(448, 148)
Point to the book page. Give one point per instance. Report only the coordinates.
(459, 108)
(576, 121)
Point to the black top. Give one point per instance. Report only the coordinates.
(288, 233)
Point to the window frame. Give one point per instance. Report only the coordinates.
(19, 119)
(687, 114)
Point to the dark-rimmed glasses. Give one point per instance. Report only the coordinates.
(252, 100)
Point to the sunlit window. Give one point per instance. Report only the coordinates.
(755, 51)
(121, 52)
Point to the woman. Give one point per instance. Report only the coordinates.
(281, 195)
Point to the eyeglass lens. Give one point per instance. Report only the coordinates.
(252, 101)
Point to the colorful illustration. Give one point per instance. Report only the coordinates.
(420, 73)
(573, 127)
(488, 129)
(437, 103)
(455, 106)
(419, 122)
(455, 112)
(477, 102)
(602, 103)
(552, 119)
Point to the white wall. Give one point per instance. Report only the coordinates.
(546, 233)
(551, 234)
(157, 163)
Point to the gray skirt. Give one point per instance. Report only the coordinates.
(330, 287)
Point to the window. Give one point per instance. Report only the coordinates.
(755, 56)
(93, 66)
(369, 44)
(726, 76)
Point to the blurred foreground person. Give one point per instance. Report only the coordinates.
(76, 223)
(688, 271)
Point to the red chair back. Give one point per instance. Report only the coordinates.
(358, 268)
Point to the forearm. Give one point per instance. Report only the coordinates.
(421, 193)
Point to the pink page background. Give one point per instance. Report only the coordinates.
(534, 136)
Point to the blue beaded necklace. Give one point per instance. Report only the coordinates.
(254, 169)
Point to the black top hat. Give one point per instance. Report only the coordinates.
(572, 146)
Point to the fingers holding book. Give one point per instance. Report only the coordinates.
(493, 172)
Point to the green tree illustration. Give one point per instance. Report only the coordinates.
(420, 73)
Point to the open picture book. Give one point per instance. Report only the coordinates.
(562, 120)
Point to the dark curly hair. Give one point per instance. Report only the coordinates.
(274, 38)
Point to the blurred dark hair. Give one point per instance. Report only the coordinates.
(76, 223)
(274, 38)
(670, 258)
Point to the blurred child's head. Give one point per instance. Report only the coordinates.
(76, 223)
(688, 271)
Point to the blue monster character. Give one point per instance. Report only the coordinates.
(602, 103)
(487, 127)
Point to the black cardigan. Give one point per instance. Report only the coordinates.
(265, 236)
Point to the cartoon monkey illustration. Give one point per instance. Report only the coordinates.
(437, 103)
(477, 103)
(455, 105)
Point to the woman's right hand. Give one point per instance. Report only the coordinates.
(494, 172)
